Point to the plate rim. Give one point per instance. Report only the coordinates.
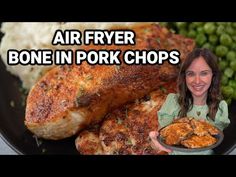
(10, 145)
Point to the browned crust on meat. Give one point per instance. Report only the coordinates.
(88, 142)
(93, 91)
(175, 133)
(126, 130)
(199, 141)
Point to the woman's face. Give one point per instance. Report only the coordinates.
(198, 78)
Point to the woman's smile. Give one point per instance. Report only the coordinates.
(198, 87)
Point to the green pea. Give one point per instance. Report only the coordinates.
(197, 24)
(233, 65)
(233, 46)
(221, 23)
(227, 91)
(223, 64)
(192, 26)
(220, 30)
(233, 37)
(234, 24)
(183, 32)
(231, 56)
(200, 29)
(232, 83)
(229, 30)
(213, 39)
(208, 46)
(221, 50)
(225, 39)
(209, 27)
(201, 39)
(229, 72)
(181, 25)
(224, 80)
(192, 33)
(163, 24)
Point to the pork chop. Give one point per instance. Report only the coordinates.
(125, 130)
(69, 98)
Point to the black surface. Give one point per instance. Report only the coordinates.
(181, 148)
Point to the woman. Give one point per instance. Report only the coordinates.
(199, 96)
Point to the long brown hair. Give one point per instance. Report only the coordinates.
(185, 99)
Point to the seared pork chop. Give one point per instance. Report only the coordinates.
(69, 98)
(199, 141)
(174, 133)
(125, 130)
(88, 142)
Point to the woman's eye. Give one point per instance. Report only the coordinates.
(189, 74)
(204, 73)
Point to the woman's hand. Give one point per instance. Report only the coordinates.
(155, 144)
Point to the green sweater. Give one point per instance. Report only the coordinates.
(170, 110)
